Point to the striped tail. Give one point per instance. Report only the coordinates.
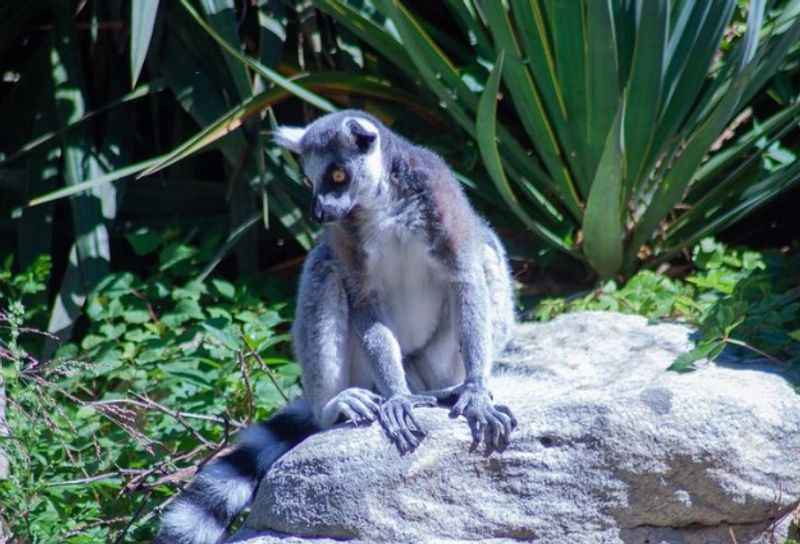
(225, 487)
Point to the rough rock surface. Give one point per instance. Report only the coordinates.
(611, 448)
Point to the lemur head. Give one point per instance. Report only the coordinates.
(342, 160)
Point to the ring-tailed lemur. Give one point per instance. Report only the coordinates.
(406, 299)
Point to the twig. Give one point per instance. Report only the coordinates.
(270, 373)
(95, 478)
(99, 523)
(180, 419)
(188, 415)
(132, 519)
(248, 386)
(754, 349)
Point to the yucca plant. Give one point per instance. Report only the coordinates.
(117, 89)
(609, 140)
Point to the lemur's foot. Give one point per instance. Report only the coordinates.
(358, 406)
(489, 423)
(397, 417)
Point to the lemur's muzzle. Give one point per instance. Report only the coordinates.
(327, 208)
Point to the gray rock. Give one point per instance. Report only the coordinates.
(610, 448)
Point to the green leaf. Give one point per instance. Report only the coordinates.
(144, 240)
(604, 219)
(528, 104)
(95, 183)
(262, 70)
(643, 94)
(708, 349)
(224, 288)
(671, 189)
(143, 18)
(90, 253)
(486, 130)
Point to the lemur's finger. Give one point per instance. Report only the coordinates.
(413, 420)
(505, 419)
(368, 396)
(474, 427)
(506, 410)
(423, 400)
(372, 406)
(349, 413)
(482, 423)
(409, 437)
(495, 430)
(362, 409)
(458, 407)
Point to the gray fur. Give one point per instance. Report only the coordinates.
(405, 300)
(408, 293)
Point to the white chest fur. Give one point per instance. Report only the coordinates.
(410, 284)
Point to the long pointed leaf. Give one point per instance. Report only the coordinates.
(672, 188)
(486, 129)
(529, 105)
(267, 73)
(143, 19)
(643, 94)
(143, 90)
(604, 224)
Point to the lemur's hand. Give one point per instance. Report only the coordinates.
(397, 417)
(490, 423)
(357, 406)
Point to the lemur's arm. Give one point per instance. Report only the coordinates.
(460, 247)
(321, 332)
(489, 423)
(383, 352)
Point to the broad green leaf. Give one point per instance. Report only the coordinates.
(222, 18)
(272, 21)
(90, 254)
(378, 38)
(604, 219)
(602, 85)
(143, 19)
(146, 89)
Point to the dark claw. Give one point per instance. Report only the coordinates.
(488, 423)
(396, 415)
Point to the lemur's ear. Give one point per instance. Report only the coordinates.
(289, 137)
(364, 133)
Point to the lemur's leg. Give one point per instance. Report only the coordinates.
(322, 341)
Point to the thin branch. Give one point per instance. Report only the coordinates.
(270, 373)
(754, 349)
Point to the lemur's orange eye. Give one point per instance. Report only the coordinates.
(338, 176)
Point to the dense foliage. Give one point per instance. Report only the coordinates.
(745, 301)
(166, 370)
(609, 145)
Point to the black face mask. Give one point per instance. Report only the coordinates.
(333, 200)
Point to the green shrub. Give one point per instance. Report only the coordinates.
(166, 370)
(740, 299)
